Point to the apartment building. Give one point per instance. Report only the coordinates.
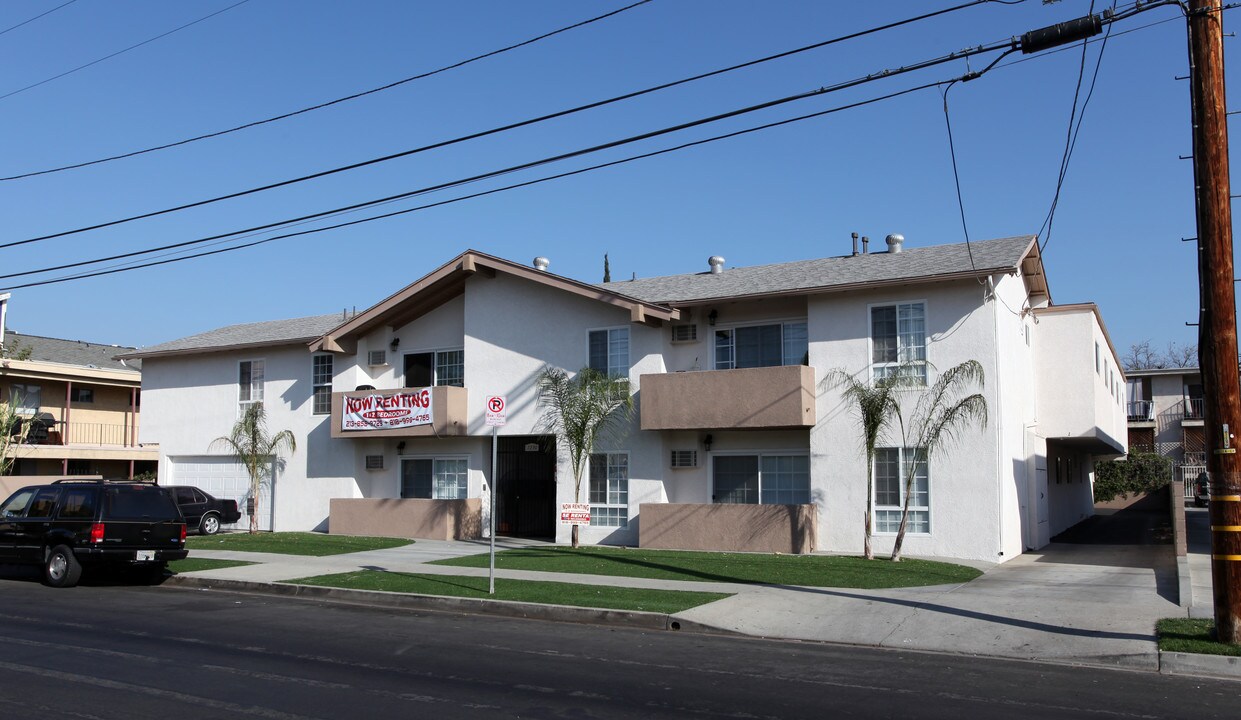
(1165, 414)
(737, 431)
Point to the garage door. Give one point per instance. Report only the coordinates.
(224, 478)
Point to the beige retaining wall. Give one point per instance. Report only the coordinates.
(792, 529)
(407, 518)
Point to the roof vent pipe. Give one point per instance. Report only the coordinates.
(865, 245)
(541, 263)
(854, 244)
(895, 241)
(717, 264)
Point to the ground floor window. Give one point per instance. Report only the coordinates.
(766, 478)
(609, 489)
(435, 478)
(892, 468)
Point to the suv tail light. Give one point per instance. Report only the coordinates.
(96, 533)
(182, 533)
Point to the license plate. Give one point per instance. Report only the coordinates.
(144, 555)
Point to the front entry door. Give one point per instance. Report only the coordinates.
(526, 487)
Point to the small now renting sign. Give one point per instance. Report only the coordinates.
(574, 514)
(385, 412)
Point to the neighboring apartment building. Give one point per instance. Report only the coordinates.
(1166, 417)
(728, 370)
(79, 406)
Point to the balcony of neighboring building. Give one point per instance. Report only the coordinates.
(400, 412)
(42, 436)
(780, 397)
(1141, 413)
(1193, 409)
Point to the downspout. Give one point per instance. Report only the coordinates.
(133, 416)
(999, 411)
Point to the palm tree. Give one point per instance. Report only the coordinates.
(252, 446)
(12, 434)
(942, 413)
(580, 410)
(876, 406)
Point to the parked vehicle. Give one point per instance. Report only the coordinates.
(203, 511)
(1202, 490)
(74, 523)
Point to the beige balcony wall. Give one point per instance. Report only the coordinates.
(771, 397)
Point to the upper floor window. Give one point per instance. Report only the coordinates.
(250, 382)
(321, 380)
(609, 351)
(898, 340)
(439, 367)
(762, 346)
(82, 395)
(25, 399)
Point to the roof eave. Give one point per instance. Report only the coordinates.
(142, 355)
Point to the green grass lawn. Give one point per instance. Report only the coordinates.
(547, 593)
(808, 570)
(1192, 635)
(293, 543)
(194, 564)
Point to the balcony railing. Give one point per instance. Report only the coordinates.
(1141, 411)
(769, 397)
(1194, 409)
(58, 432)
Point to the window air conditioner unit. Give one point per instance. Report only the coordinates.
(684, 332)
(374, 462)
(684, 458)
(377, 357)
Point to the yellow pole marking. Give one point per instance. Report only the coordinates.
(1226, 528)
(1227, 498)
(1234, 558)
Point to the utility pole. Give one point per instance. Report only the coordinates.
(1217, 331)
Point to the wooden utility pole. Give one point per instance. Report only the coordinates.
(1217, 332)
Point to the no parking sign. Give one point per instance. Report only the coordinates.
(497, 410)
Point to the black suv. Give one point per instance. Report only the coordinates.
(71, 523)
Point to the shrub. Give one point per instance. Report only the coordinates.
(1138, 473)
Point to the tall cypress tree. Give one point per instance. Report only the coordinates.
(607, 271)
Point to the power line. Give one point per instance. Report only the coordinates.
(36, 17)
(120, 52)
(329, 103)
(128, 267)
(352, 208)
(586, 151)
(484, 133)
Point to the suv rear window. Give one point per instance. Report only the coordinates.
(79, 504)
(138, 503)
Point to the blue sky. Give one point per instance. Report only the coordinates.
(784, 194)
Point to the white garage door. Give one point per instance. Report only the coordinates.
(226, 479)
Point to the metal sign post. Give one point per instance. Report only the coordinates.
(496, 413)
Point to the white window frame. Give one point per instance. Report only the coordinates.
(615, 514)
(435, 486)
(902, 467)
(20, 399)
(733, 327)
(760, 454)
(318, 383)
(243, 402)
(877, 367)
(619, 372)
(435, 365)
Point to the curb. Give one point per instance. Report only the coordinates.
(1227, 667)
(636, 619)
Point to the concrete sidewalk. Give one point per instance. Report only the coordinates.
(1090, 604)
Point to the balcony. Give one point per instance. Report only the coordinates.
(751, 398)
(45, 430)
(1141, 411)
(386, 408)
(1195, 411)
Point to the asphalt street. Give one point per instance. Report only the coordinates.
(118, 651)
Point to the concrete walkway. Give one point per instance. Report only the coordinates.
(1093, 604)
(1198, 537)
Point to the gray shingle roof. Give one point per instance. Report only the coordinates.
(271, 332)
(70, 352)
(917, 263)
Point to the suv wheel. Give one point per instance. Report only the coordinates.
(209, 525)
(62, 568)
